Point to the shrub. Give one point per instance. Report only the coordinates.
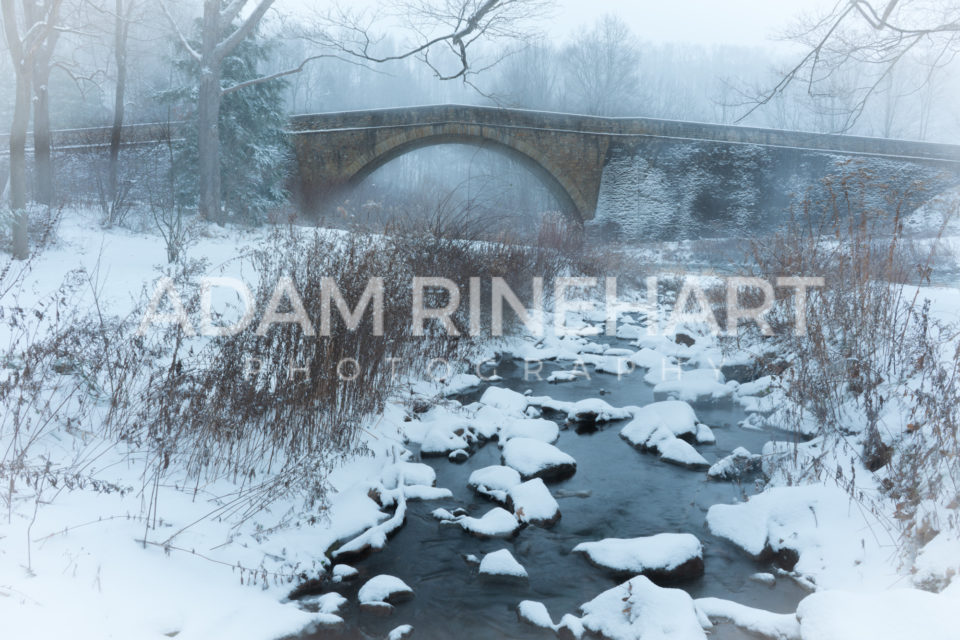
(875, 369)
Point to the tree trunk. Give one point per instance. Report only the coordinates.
(42, 155)
(18, 164)
(120, 55)
(208, 146)
(208, 115)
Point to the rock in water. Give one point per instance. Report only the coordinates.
(665, 556)
(532, 503)
(401, 632)
(535, 613)
(680, 452)
(458, 456)
(736, 465)
(384, 588)
(496, 523)
(494, 481)
(640, 609)
(502, 563)
(536, 459)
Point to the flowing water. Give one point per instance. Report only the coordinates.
(618, 492)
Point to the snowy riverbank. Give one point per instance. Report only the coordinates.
(81, 561)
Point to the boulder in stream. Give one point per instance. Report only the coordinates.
(536, 459)
(662, 557)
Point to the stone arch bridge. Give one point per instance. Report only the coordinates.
(632, 171)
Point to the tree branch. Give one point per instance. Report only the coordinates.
(183, 40)
(230, 43)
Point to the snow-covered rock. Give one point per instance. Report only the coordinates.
(675, 416)
(650, 359)
(813, 530)
(401, 632)
(506, 400)
(496, 523)
(460, 383)
(343, 572)
(535, 428)
(384, 588)
(736, 465)
(502, 563)
(532, 503)
(409, 473)
(617, 365)
(884, 615)
(442, 439)
(458, 456)
(570, 627)
(697, 385)
(535, 613)
(764, 578)
(328, 608)
(494, 481)
(639, 609)
(705, 435)
(664, 556)
(661, 425)
(568, 375)
(938, 562)
(374, 538)
(442, 515)
(680, 452)
(537, 459)
(592, 410)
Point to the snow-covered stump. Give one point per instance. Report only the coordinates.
(532, 503)
(537, 459)
(664, 557)
(639, 609)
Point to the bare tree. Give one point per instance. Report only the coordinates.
(122, 16)
(603, 66)
(342, 34)
(875, 37)
(28, 33)
(37, 11)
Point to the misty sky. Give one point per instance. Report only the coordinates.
(737, 22)
(745, 22)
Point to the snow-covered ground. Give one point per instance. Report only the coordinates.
(96, 563)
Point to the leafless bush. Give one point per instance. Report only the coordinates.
(114, 207)
(872, 352)
(42, 390)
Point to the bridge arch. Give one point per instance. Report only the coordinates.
(409, 139)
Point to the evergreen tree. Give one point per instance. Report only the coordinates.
(255, 155)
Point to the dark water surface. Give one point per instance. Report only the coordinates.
(631, 494)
